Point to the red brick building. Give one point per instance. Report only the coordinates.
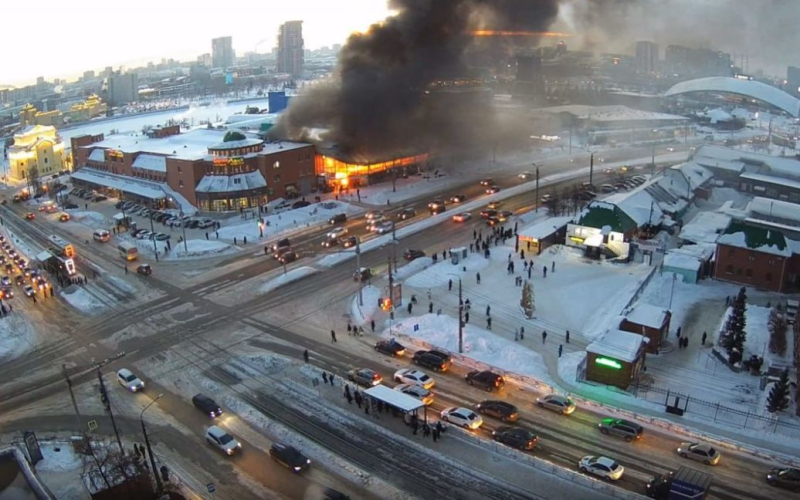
(197, 167)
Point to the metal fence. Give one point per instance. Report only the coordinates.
(640, 289)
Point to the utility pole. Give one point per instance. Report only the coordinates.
(537, 185)
(155, 247)
(570, 141)
(107, 403)
(72, 396)
(460, 321)
(358, 272)
(591, 169)
(653, 161)
(159, 486)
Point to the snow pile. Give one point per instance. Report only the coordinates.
(17, 335)
(363, 314)
(412, 268)
(479, 344)
(292, 220)
(58, 457)
(120, 284)
(284, 279)
(80, 299)
(441, 273)
(198, 249)
(94, 220)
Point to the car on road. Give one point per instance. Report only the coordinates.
(29, 291)
(621, 428)
(463, 417)
(337, 219)
(101, 235)
(289, 456)
(445, 356)
(557, 403)
(204, 223)
(407, 213)
(525, 175)
(462, 217)
(787, 478)
(602, 467)
(498, 409)
(459, 198)
(437, 209)
(487, 380)
(349, 242)
(516, 437)
(6, 293)
(416, 391)
(129, 380)
(492, 189)
(363, 274)
(547, 198)
(222, 441)
(337, 232)
(160, 236)
(504, 215)
(487, 182)
(415, 377)
(364, 376)
(280, 244)
(701, 452)
(493, 221)
(287, 257)
(70, 206)
(30, 216)
(438, 201)
(429, 360)
(373, 224)
(5, 281)
(206, 405)
(374, 214)
(494, 205)
(144, 269)
(385, 227)
(390, 347)
(486, 214)
(19, 279)
(280, 251)
(410, 254)
(330, 242)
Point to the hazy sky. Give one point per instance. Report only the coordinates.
(57, 38)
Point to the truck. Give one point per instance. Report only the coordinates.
(686, 484)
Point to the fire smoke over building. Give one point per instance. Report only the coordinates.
(405, 86)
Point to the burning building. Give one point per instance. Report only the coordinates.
(341, 171)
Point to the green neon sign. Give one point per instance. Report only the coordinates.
(608, 362)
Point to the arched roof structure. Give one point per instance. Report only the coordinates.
(747, 88)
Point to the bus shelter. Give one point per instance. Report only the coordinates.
(396, 401)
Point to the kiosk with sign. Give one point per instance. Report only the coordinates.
(615, 358)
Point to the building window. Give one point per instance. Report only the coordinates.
(729, 269)
(731, 252)
(771, 262)
(277, 178)
(45, 159)
(180, 170)
(180, 183)
(772, 193)
(751, 257)
(237, 180)
(738, 271)
(277, 164)
(748, 273)
(768, 277)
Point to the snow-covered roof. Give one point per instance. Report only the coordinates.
(647, 315)
(749, 88)
(229, 183)
(717, 115)
(244, 143)
(696, 175)
(278, 146)
(774, 210)
(190, 145)
(679, 260)
(139, 187)
(711, 156)
(545, 228)
(150, 162)
(699, 251)
(401, 401)
(638, 204)
(705, 227)
(755, 238)
(610, 113)
(768, 179)
(622, 346)
(97, 155)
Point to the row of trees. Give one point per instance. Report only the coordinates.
(733, 335)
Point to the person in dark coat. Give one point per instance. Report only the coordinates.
(358, 399)
(567, 336)
(333, 336)
(449, 285)
(705, 337)
(325, 377)
(544, 336)
(488, 310)
(305, 355)
(372, 325)
(522, 333)
(435, 433)
(348, 396)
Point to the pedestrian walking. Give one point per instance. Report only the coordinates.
(516, 335)
(449, 285)
(478, 276)
(544, 272)
(522, 333)
(435, 433)
(415, 426)
(245, 240)
(410, 306)
(560, 349)
(349, 397)
(426, 430)
(34, 298)
(215, 232)
(333, 336)
(544, 336)
(471, 247)
(489, 323)
(325, 377)
(358, 398)
(466, 317)
(440, 428)
(567, 336)
(349, 329)
(679, 332)
(234, 240)
(530, 269)
(488, 310)
(305, 355)
(207, 236)
(126, 269)
(703, 340)
(685, 342)
(372, 325)
(474, 234)
(332, 378)
(430, 307)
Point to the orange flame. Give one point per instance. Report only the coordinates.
(520, 33)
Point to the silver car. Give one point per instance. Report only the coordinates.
(557, 403)
(702, 452)
(222, 440)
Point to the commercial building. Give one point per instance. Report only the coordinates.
(198, 168)
(291, 51)
(123, 89)
(222, 55)
(649, 321)
(646, 57)
(38, 151)
(615, 358)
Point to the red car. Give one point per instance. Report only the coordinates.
(30, 216)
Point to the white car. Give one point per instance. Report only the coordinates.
(101, 235)
(374, 214)
(413, 377)
(385, 227)
(416, 391)
(463, 417)
(337, 232)
(462, 217)
(129, 381)
(601, 467)
(144, 235)
(525, 175)
(222, 440)
(204, 223)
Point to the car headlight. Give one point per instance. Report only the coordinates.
(297, 469)
(229, 451)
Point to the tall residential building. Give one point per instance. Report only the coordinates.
(697, 63)
(123, 89)
(291, 56)
(646, 57)
(222, 52)
(793, 79)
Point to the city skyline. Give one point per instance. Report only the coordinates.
(325, 24)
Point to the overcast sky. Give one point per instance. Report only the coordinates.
(57, 38)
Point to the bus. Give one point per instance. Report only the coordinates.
(128, 251)
(61, 246)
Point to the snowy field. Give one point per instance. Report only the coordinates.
(284, 279)
(80, 299)
(17, 335)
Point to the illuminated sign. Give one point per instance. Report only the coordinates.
(609, 363)
(113, 153)
(228, 162)
(70, 264)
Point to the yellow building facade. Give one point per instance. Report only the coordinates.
(92, 107)
(36, 147)
(28, 115)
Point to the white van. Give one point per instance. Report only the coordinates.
(101, 235)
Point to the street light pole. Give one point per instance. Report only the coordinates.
(159, 486)
(358, 272)
(153, 233)
(460, 321)
(537, 186)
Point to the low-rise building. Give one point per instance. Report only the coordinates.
(615, 358)
(537, 237)
(37, 151)
(755, 256)
(649, 321)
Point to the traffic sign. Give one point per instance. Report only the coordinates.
(92, 425)
(211, 487)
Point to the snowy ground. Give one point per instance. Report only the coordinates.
(193, 249)
(17, 335)
(81, 300)
(60, 470)
(360, 314)
(284, 279)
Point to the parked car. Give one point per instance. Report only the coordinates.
(487, 380)
(621, 428)
(364, 376)
(786, 478)
(498, 409)
(162, 236)
(516, 437)
(101, 235)
(70, 206)
(100, 197)
(701, 452)
(206, 405)
(338, 218)
(429, 360)
(415, 377)
(410, 254)
(406, 213)
(547, 198)
(557, 403)
(463, 417)
(300, 204)
(603, 467)
(289, 456)
(143, 234)
(204, 223)
(129, 380)
(416, 391)
(462, 217)
(118, 205)
(607, 188)
(390, 347)
(223, 441)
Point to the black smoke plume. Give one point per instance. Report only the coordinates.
(380, 104)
